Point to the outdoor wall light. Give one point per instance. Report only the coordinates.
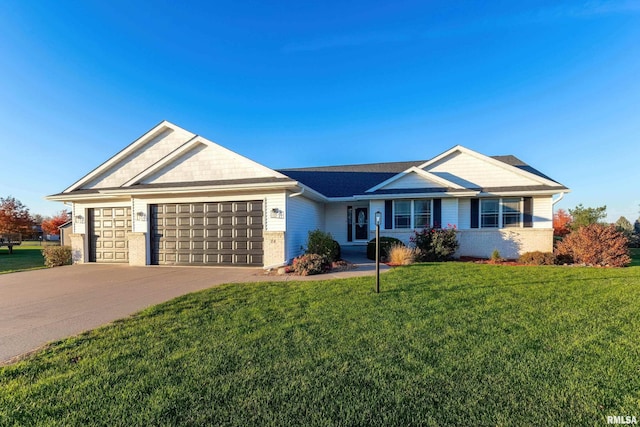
(277, 213)
(141, 216)
(79, 219)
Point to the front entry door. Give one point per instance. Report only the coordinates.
(361, 221)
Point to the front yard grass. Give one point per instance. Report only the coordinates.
(27, 256)
(442, 344)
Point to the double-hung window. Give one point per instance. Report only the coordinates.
(422, 213)
(511, 213)
(499, 213)
(490, 213)
(412, 213)
(402, 214)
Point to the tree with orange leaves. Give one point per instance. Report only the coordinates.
(561, 223)
(50, 225)
(14, 216)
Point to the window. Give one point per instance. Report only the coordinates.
(402, 214)
(489, 213)
(412, 213)
(422, 213)
(499, 213)
(510, 212)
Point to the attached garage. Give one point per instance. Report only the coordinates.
(216, 233)
(108, 228)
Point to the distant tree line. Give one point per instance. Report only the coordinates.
(16, 218)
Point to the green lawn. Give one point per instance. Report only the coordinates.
(443, 344)
(27, 256)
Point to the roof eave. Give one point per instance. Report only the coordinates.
(415, 195)
(125, 192)
(549, 192)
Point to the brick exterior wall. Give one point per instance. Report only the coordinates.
(510, 242)
(77, 248)
(137, 248)
(274, 248)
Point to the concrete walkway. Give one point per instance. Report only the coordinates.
(40, 306)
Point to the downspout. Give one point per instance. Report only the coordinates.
(553, 202)
(297, 194)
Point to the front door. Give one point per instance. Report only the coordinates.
(361, 221)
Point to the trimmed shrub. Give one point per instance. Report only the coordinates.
(435, 244)
(385, 246)
(401, 255)
(310, 264)
(537, 258)
(322, 243)
(55, 256)
(595, 244)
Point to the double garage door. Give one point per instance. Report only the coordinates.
(217, 233)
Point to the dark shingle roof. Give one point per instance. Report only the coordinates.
(350, 180)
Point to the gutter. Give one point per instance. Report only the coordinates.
(128, 191)
(312, 194)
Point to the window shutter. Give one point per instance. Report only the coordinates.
(475, 212)
(388, 214)
(437, 213)
(349, 223)
(527, 217)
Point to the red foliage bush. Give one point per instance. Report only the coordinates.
(595, 244)
(310, 264)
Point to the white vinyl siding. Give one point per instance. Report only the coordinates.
(470, 171)
(303, 215)
(449, 213)
(412, 180)
(542, 212)
(464, 214)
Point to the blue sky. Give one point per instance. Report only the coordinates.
(291, 84)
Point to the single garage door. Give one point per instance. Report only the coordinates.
(217, 233)
(108, 229)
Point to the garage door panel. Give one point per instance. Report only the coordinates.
(108, 229)
(217, 233)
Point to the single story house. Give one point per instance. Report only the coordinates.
(173, 197)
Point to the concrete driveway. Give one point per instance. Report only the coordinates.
(40, 306)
